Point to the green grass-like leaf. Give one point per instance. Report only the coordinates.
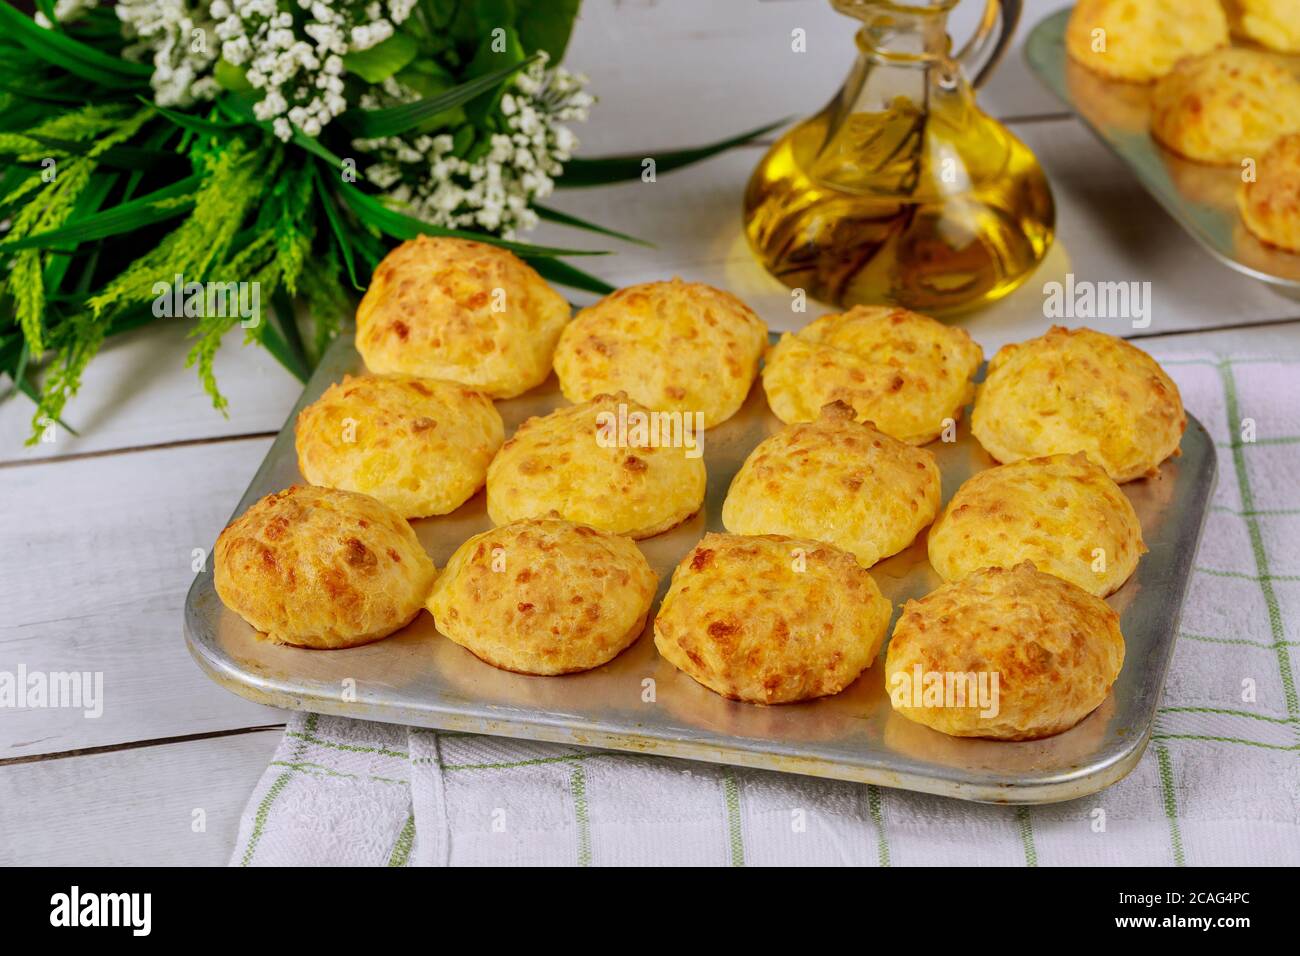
(78, 58)
(194, 124)
(383, 59)
(548, 214)
(119, 157)
(373, 124)
(580, 172)
(157, 206)
(398, 225)
(336, 224)
(558, 271)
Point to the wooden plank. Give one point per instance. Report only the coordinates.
(133, 807)
(95, 560)
(138, 392)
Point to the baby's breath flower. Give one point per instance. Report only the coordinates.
(177, 36)
(65, 11)
(300, 66)
(494, 191)
(293, 52)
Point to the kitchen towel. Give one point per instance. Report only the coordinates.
(1219, 783)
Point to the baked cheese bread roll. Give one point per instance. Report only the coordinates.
(461, 311)
(1079, 390)
(904, 371)
(771, 619)
(672, 346)
(839, 481)
(1045, 651)
(318, 567)
(544, 596)
(1225, 106)
(1140, 40)
(1270, 206)
(1062, 512)
(1271, 23)
(419, 445)
(591, 464)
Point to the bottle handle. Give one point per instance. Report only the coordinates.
(983, 51)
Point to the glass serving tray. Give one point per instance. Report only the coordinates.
(1201, 198)
(417, 677)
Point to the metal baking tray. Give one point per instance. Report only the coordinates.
(1201, 198)
(420, 678)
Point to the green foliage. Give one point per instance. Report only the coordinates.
(79, 59)
(28, 293)
(383, 59)
(612, 169)
(327, 301)
(105, 196)
(371, 124)
(52, 206)
(546, 25)
(228, 190)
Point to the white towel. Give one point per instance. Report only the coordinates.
(1219, 784)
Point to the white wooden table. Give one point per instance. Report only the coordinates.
(98, 531)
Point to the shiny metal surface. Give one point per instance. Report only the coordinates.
(1201, 198)
(418, 677)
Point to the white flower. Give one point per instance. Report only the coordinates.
(296, 61)
(66, 11)
(495, 190)
(171, 33)
(293, 52)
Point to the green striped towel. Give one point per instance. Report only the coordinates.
(1220, 783)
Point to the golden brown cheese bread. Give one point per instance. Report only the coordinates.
(1079, 390)
(1270, 206)
(771, 619)
(317, 567)
(1225, 106)
(419, 445)
(839, 481)
(1140, 40)
(1011, 654)
(672, 346)
(544, 596)
(1061, 512)
(1271, 23)
(904, 371)
(462, 311)
(589, 464)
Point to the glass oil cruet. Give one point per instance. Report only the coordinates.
(901, 190)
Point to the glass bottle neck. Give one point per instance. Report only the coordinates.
(876, 132)
(920, 38)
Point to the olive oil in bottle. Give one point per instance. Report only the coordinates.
(901, 191)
